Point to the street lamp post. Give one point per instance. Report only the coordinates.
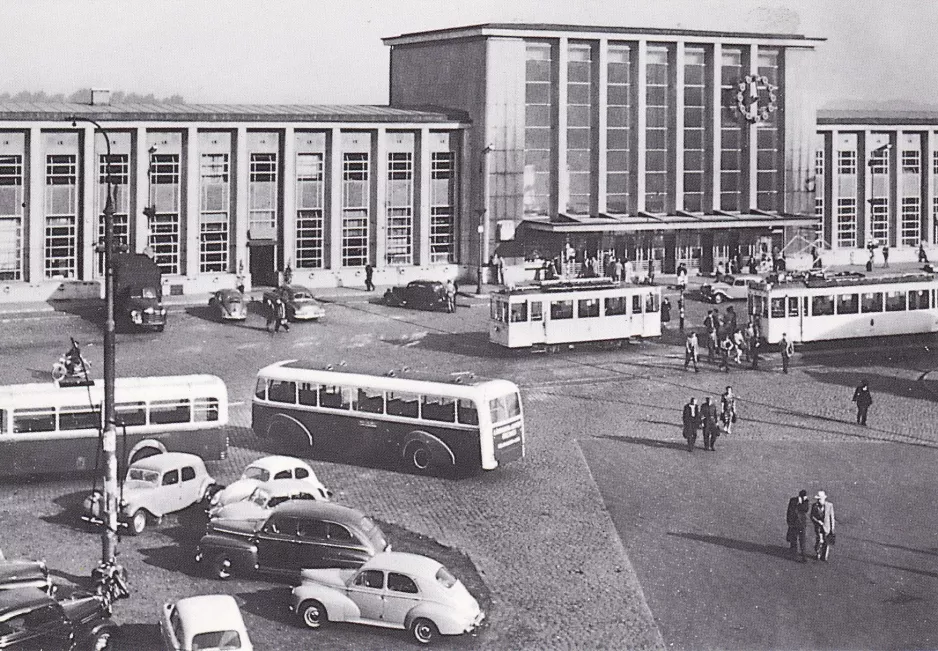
(483, 213)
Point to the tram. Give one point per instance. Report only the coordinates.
(555, 312)
(819, 309)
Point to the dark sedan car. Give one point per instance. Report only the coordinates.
(228, 305)
(295, 536)
(31, 619)
(419, 294)
(298, 300)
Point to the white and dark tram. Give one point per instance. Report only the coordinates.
(844, 308)
(556, 312)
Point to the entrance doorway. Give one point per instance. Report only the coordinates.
(262, 262)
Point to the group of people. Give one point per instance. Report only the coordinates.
(709, 420)
(821, 514)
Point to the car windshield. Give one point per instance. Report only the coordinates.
(301, 296)
(216, 640)
(253, 472)
(260, 497)
(141, 474)
(445, 579)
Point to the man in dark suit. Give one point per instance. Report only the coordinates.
(691, 423)
(797, 517)
(708, 420)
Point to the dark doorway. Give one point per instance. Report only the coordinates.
(670, 253)
(263, 269)
(706, 252)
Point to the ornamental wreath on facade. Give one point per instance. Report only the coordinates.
(756, 98)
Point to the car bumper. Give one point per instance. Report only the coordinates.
(308, 315)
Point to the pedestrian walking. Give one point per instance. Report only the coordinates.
(691, 421)
(822, 516)
(728, 412)
(369, 278)
(732, 322)
(754, 353)
(864, 399)
(618, 270)
(271, 313)
(739, 345)
(280, 319)
(691, 351)
(665, 310)
(797, 518)
(787, 349)
(725, 347)
(450, 296)
(885, 255)
(682, 278)
(651, 271)
(709, 423)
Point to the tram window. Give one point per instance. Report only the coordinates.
(778, 308)
(652, 303)
(467, 413)
(132, 413)
(872, 302)
(280, 391)
(617, 305)
(34, 420)
(499, 311)
(333, 397)
(205, 410)
(561, 310)
(822, 305)
(403, 404)
(792, 306)
(587, 307)
(307, 394)
(895, 301)
(260, 390)
(848, 304)
(918, 300)
(438, 408)
(537, 311)
(636, 304)
(370, 401)
(519, 312)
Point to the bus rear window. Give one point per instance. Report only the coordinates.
(169, 411)
(504, 408)
(204, 410)
(33, 420)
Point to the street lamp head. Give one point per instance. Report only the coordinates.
(152, 150)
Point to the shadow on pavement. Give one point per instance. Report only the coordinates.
(888, 566)
(91, 311)
(933, 551)
(138, 636)
(739, 545)
(902, 387)
(470, 344)
(269, 603)
(70, 512)
(648, 443)
(174, 558)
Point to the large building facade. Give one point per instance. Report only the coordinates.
(682, 146)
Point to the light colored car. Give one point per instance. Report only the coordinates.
(204, 622)
(228, 305)
(298, 301)
(266, 469)
(729, 288)
(392, 590)
(265, 497)
(155, 486)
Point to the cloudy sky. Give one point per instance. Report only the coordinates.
(326, 52)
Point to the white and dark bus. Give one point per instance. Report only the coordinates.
(47, 428)
(451, 427)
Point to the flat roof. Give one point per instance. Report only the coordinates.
(497, 29)
(861, 116)
(61, 111)
(682, 220)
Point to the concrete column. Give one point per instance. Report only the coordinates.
(379, 220)
(240, 211)
(678, 126)
(190, 209)
(35, 207)
(601, 139)
(641, 122)
(87, 208)
(334, 219)
(561, 172)
(928, 189)
(288, 238)
(422, 257)
(140, 229)
(752, 167)
(716, 126)
(895, 195)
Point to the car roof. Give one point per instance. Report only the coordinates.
(424, 282)
(210, 612)
(278, 461)
(413, 564)
(20, 598)
(326, 510)
(168, 460)
(285, 486)
(228, 292)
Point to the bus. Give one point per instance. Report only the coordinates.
(556, 312)
(819, 309)
(444, 428)
(50, 428)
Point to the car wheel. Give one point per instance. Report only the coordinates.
(101, 641)
(718, 298)
(138, 522)
(423, 630)
(313, 614)
(418, 457)
(221, 566)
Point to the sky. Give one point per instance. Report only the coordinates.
(330, 52)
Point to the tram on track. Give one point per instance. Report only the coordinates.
(559, 312)
(821, 309)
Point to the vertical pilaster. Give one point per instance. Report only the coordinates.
(35, 207)
(716, 125)
(601, 139)
(895, 194)
(928, 189)
(379, 243)
(641, 122)
(678, 129)
(87, 215)
(751, 161)
(140, 229)
(422, 254)
(561, 171)
(335, 200)
(190, 217)
(240, 211)
(288, 237)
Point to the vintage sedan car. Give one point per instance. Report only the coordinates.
(729, 288)
(204, 622)
(392, 590)
(265, 497)
(418, 294)
(296, 535)
(19, 573)
(298, 300)
(266, 469)
(155, 486)
(31, 619)
(228, 305)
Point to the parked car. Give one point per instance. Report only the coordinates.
(155, 486)
(729, 288)
(204, 622)
(31, 619)
(419, 294)
(19, 573)
(392, 590)
(266, 469)
(265, 497)
(296, 535)
(228, 305)
(298, 300)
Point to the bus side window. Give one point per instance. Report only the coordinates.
(335, 397)
(519, 312)
(71, 418)
(278, 391)
(438, 408)
(636, 304)
(537, 311)
(466, 410)
(163, 412)
(370, 401)
(307, 394)
(260, 390)
(131, 413)
(403, 404)
(205, 410)
(778, 308)
(33, 420)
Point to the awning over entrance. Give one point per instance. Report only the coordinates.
(680, 221)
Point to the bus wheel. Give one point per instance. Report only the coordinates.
(418, 456)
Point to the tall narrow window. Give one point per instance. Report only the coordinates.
(847, 162)
(658, 116)
(164, 197)
(768, 141)
(618, 129)
(695, 112)
(732, 131)
(539, 105)
(310, 190)
(400, 203)
(911, 161)
(11, 217)
(911, 221)
(262, 195)
(120, 184)
(819, 185)
(61, 236)
(214, 214)
(846, 222)
(879, 161)
(579, 127)
(879, 220)
(355, 213)
(442, 220)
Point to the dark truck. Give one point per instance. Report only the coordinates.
(138, 293)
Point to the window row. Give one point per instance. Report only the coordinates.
(585, 308)
(861, 303)
(156, 412)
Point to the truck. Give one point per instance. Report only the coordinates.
(138, 293)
